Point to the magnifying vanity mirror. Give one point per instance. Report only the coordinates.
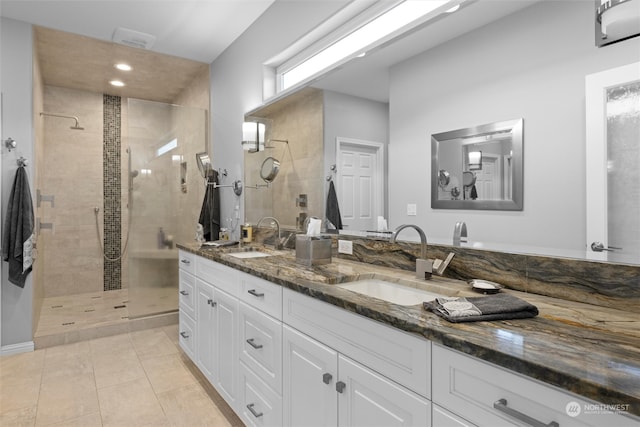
(269, 169)
(478, 168)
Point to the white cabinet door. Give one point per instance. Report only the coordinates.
(309, 379)
(225, 349)
(205, 312)
(369, 399)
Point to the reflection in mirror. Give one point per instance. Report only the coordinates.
(292, 147)
(478, 168)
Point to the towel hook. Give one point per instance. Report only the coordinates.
(10, 143)
(22, 162)
(333, 168)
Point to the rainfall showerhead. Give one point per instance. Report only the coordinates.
(74, 127)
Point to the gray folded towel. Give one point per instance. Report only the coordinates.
(491, 307)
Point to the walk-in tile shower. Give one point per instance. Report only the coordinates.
(126, 189)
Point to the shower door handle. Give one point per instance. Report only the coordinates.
(599, 247)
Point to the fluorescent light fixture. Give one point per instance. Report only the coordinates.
(123, 67)
(117, 83)
(359, 40)
(167, 147)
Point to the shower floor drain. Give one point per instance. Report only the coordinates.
(119, 306)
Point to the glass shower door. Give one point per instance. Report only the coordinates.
(613, 156)
(165, 194)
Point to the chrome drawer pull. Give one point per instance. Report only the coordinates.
(185, 293)
(253, 411)
(185, 261)
(326, 378)
(255, 294)
(254, 345)
(501, 405)
(184, 335)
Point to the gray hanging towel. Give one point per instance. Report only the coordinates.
(333, 210)
(17, 242)
(210, 212)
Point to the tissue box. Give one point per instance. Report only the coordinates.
(313, 250)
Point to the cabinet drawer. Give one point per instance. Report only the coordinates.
(399, 356)
(261, 294)
(187, 292)
(221, 276)
(261, 345)
(187, 261)
(259, 405)
(186, 334)
(472, 388)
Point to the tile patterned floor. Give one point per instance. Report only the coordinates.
(134, 379)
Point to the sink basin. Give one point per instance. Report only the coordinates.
(390, 291)
(250, 254)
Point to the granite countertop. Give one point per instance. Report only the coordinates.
(589, 350)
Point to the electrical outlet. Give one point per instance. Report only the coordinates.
(412, 209)
(345, 247)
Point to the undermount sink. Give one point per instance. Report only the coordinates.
(250, 254)
(390, 291)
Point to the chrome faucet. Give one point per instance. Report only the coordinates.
(424, 267)
(459, 233)
(278, 244)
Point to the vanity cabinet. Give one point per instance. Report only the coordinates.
(324, 385)
(186, 304)
(486, 394)
(260, 344)
(216, 326)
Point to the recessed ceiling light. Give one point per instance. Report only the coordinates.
(123, 67)
(116, 83)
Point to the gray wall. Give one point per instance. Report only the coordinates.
(531, 64)
(16, 85)
(236, 83)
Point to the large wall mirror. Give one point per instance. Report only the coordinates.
(490, 61)
(478, 168)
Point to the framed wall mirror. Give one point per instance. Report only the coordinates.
(478, 168)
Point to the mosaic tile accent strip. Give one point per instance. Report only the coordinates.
(112, 188)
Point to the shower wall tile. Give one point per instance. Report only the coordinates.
(71, 170)
(112, 192)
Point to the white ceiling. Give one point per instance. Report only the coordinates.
(199, 30)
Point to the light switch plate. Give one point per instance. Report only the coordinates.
(345, 247)
(412, 209)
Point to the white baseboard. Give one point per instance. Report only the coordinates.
(22, 347)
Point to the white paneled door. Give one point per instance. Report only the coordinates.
(360, 186)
